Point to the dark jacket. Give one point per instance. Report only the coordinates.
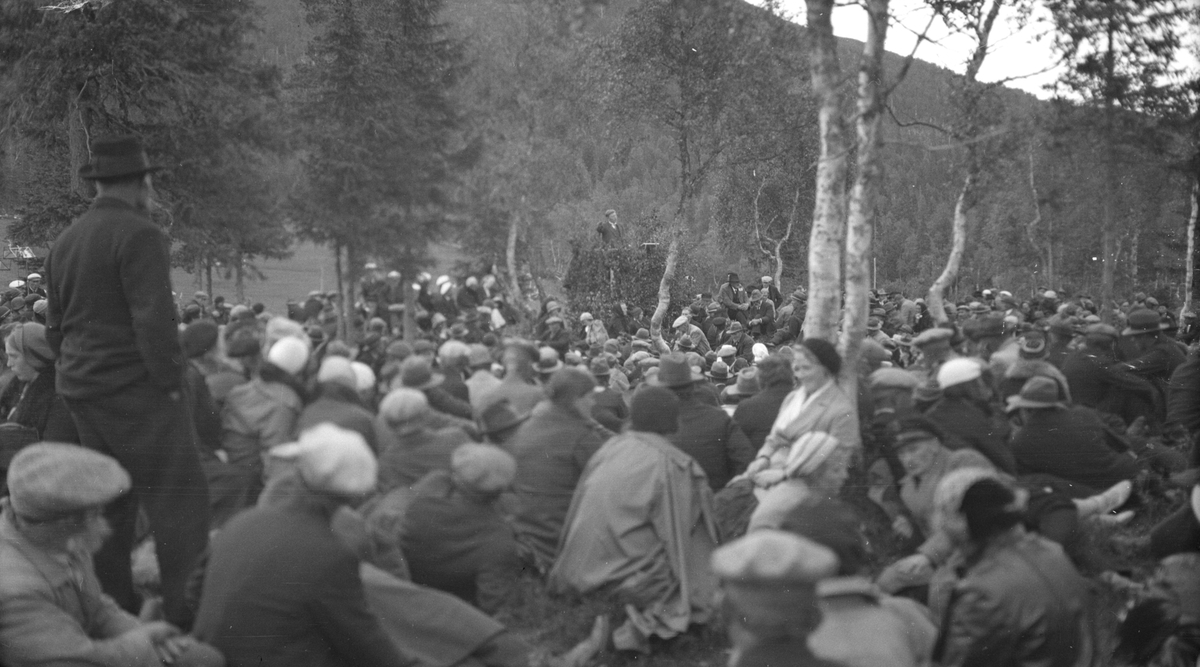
(610, 410)
(281, 590)
(1100, 383)
(459, 545)
(456, 386)
(111, 318)
(1075, 445)
(407, 458)
(205, 417)
(1019, 604)
(1183, 397)
(756, 415)
(968, 425)
(710, 436)
(552, 448)
(444, 402)
(42, 409)
(340, 406)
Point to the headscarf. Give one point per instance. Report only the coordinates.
(29, 338)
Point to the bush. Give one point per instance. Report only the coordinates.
(599, 277)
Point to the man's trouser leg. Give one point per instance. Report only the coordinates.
(148, 433)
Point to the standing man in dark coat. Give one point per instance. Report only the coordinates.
(610, 230)
(111, 321)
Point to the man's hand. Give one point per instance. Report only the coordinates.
(902, 527)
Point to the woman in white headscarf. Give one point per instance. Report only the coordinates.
(816, 467)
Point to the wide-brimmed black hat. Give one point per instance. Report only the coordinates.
(116, 157)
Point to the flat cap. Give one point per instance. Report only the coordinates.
(333, 460)
(893, 378)
(931, 336)
(772, 557)
(403, 405)
(50, 480)
(482, 468)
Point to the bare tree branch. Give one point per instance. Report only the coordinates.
(915, 123)
(908, 61)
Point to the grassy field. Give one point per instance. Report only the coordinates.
(309, 268)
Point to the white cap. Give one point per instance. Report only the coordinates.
(16, 284)
(442, 280)
(958, 371)
(446, 287)
(767, 279)
(1051, 294)
(680, 321)
(760, 352)
(289, 354)
(337, 370)
(393, 274)
(364, 377)
(332, 459)
(34, 276)
(371, 266)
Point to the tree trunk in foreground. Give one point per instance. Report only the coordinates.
(860, 227)
(829, 212)
(1189, 298)
(937, 292)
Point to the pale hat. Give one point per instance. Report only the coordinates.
(727, 351)
(483, 468)
(333, 460)
(50, 480)
(338, 370)
(403, 405)
(760, 352)
(958, 371)
(364, 377)
(289, 354)
(808, 452)
(680, 321)
(773, 557)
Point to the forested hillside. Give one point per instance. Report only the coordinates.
(565, 118)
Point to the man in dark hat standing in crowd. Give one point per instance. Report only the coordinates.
(733, 298)
(111, 321)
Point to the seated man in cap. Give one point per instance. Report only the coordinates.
(1067, 441)
(769, 579)
(411, 445)
(706, 432)
(1099, 382)
(610, 408)
(519, 386)
(338, 402)
(280, 588)
(683, 327)
(1152, 355)
(552, 449)
(453, 535)
(966, 416)
(760, 316)
(641, 522)
(52, 611)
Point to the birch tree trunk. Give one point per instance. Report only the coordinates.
(860, 226)
(77, 143)
(514, 279)
(936, 293)
(239, 278)
(664, 285)
(1190, 293)
(409, 318)
(968, 128)
(829, 211)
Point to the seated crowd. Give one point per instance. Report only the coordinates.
(383, 503)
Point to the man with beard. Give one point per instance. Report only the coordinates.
(50, 600)
(111, 322)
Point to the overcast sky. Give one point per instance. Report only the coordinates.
(1015, 53)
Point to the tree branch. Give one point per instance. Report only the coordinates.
(915, 123)
(908, 60)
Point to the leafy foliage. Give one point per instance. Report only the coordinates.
(180, 74)
(600, 277)
(373, 111)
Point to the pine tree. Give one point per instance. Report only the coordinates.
(378, 129)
